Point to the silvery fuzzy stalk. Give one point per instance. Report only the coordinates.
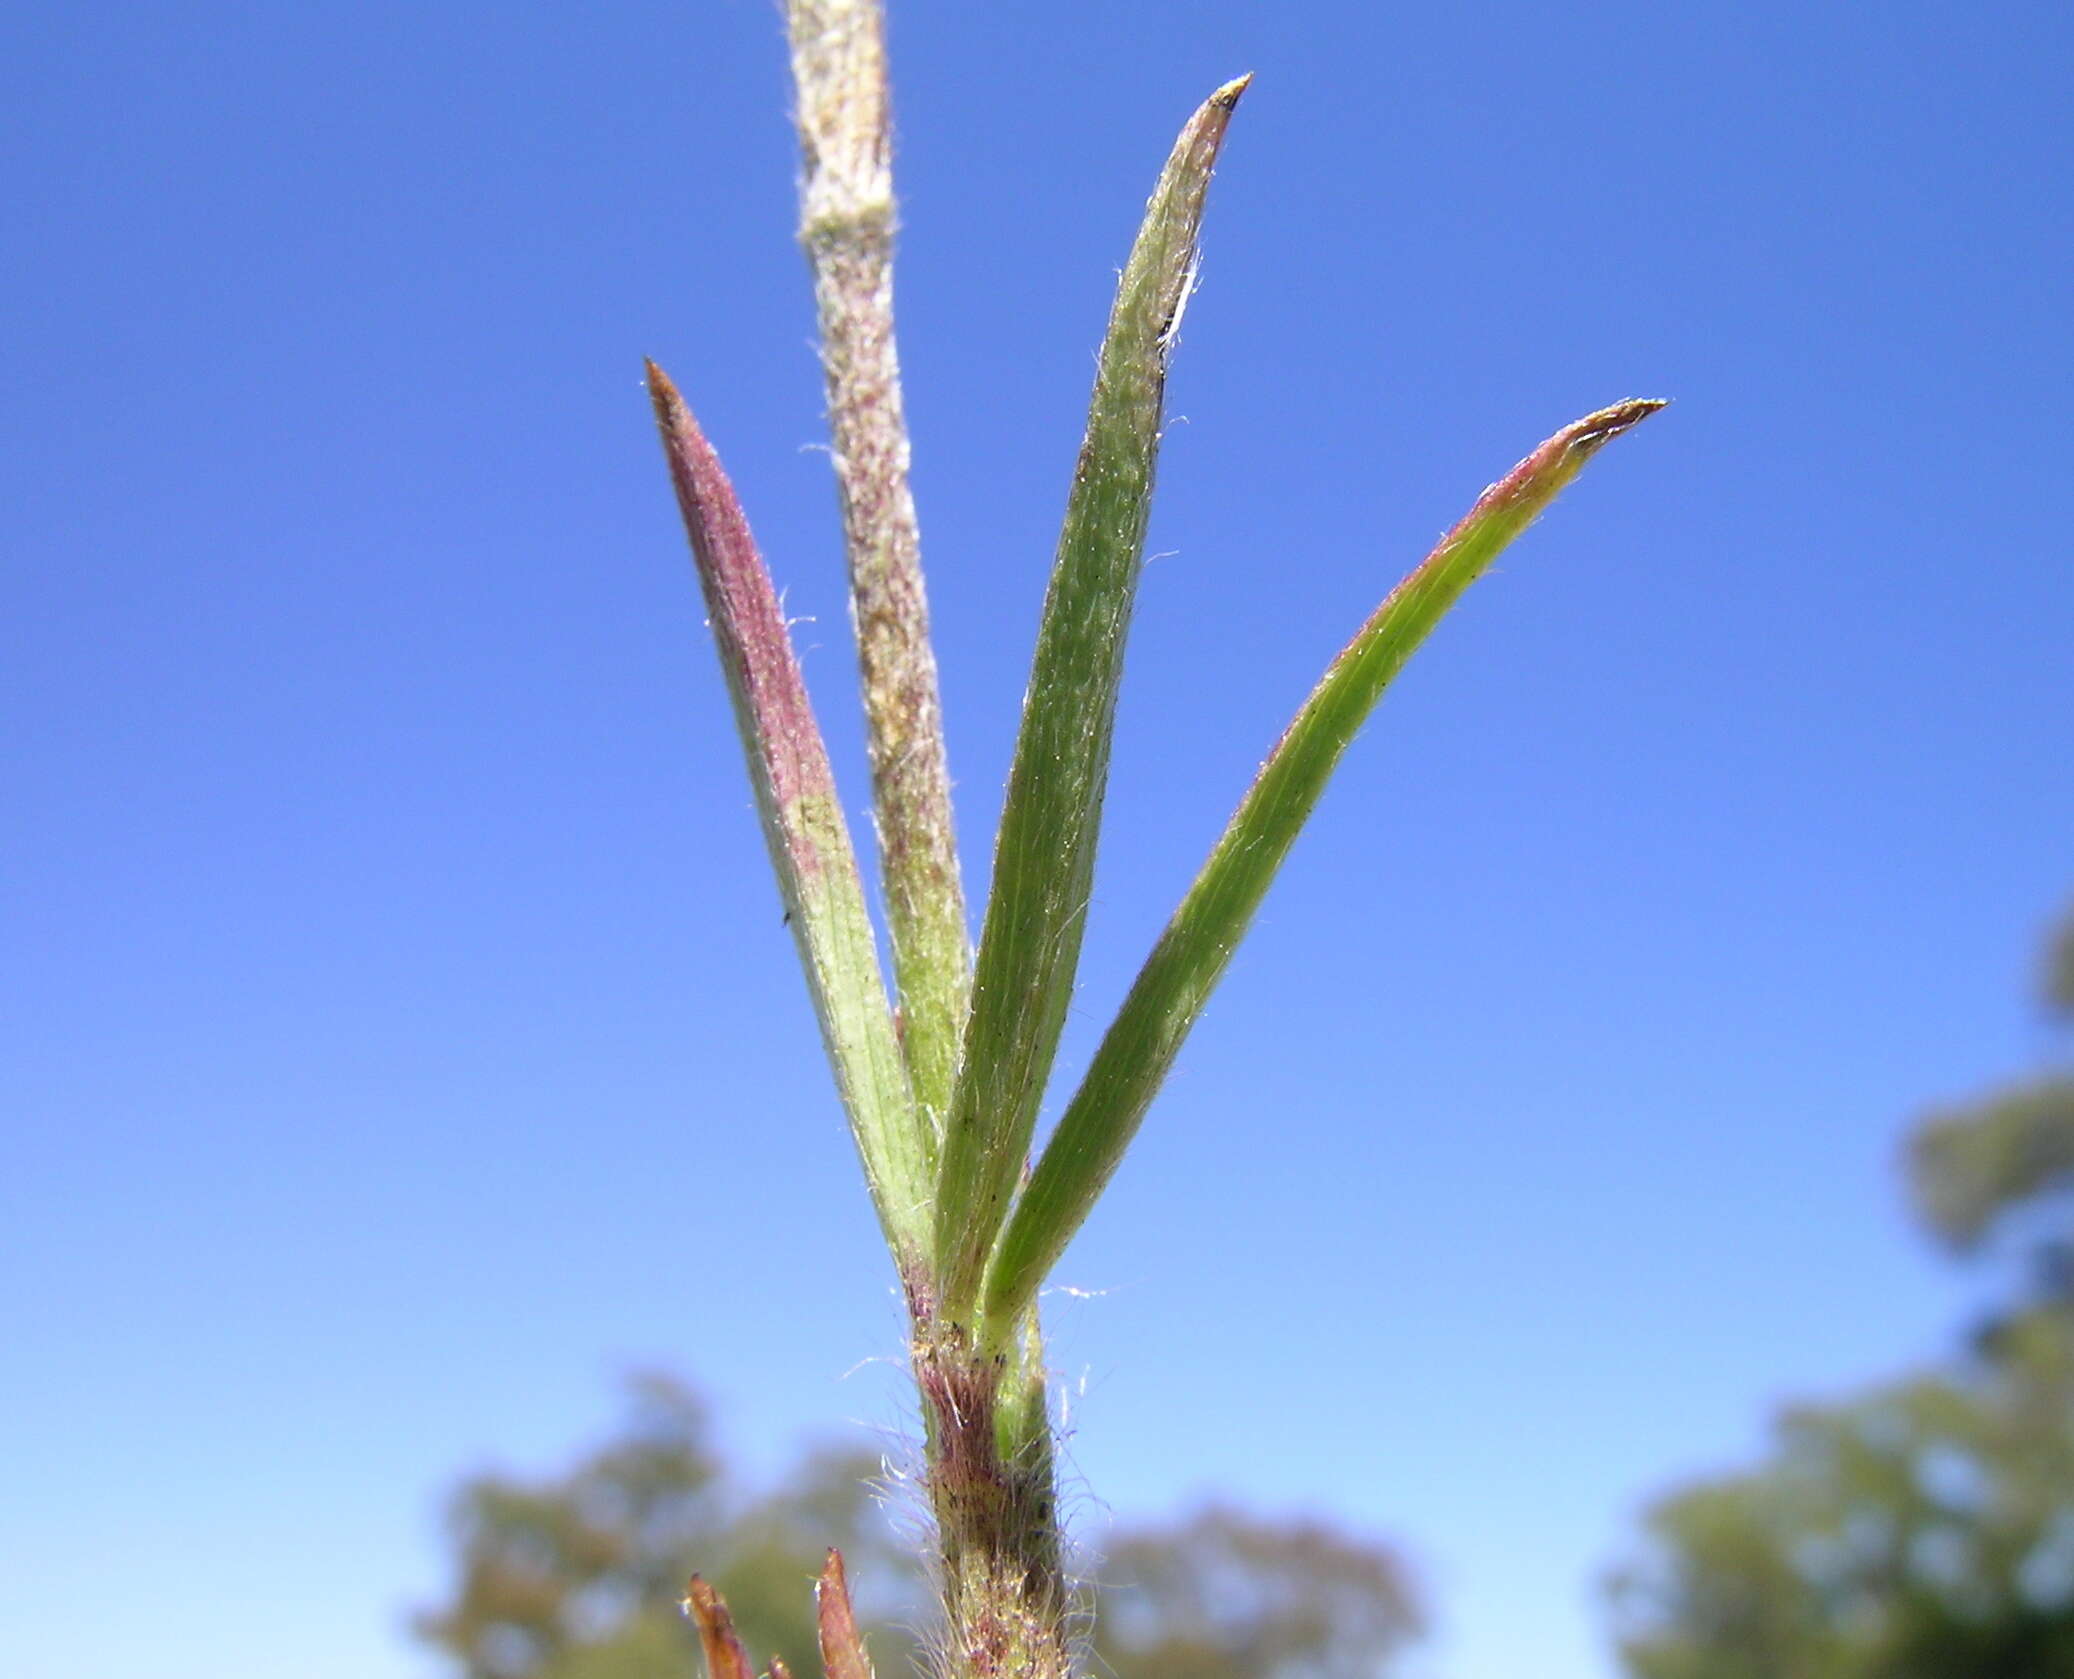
(847, 225)
(987, 1434)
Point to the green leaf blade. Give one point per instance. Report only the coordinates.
(804, 828)
(1044, 856)
(1197, 945)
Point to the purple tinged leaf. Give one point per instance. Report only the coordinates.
(803, 825)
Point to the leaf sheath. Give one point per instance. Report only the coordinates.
(803, 826)
(1044, 855)
(1197, 945)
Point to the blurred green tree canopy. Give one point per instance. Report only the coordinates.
(579, 1575)
(1925, 1530)
(1225, 1595)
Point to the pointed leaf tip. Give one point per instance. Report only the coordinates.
(662, 391)
(1535, 481)
(1228, 95)
(725, 1658)
(1596, 430)
(843, 1655)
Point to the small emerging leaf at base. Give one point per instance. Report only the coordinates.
(725, 1658)
(842, 1646)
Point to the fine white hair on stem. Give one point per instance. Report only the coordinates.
(847, 223)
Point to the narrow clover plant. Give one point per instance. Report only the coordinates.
(942, 1079)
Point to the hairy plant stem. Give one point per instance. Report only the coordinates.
(993, 1491)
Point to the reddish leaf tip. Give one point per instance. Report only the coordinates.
(1582, 439)
(725, 1658)
(1622, 416)
(662, 391)
(843, 1654)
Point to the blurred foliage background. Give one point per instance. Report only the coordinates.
(1924, 1530)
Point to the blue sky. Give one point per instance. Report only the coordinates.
(404, 1038)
